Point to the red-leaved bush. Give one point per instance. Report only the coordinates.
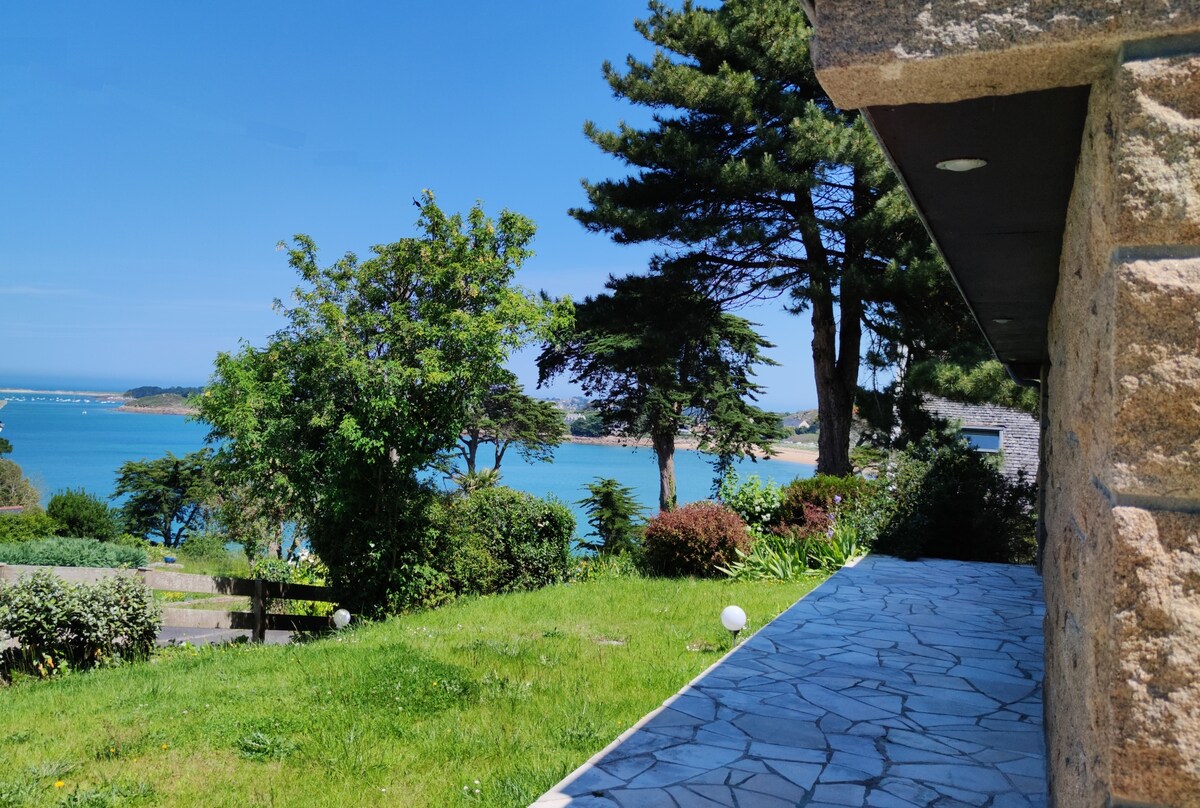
(694, 539)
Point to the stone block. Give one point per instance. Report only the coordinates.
(1156, 370)
(871, 52)
(1157, 144)
(1080, 658)
(1155, 693)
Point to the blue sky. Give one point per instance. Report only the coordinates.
(155, 153)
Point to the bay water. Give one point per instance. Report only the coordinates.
(72, 440)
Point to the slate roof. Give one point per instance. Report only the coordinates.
(1019, 431)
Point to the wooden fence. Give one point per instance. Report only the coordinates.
(257, 620)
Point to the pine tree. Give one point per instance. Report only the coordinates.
(756, 184)
(655, 356)
(613, 513)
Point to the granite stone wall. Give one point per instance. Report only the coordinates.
(1122, 558)
(872, 52)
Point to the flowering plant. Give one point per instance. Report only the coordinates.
(752, 499)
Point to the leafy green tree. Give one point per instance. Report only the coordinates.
(924, 340)
(15, 487)
(5, 447)
(589, 426)
(656, 356)
(613, 514)
(503, 415)
(83, 515)
(756, 184)
(166, 497)
(986, 382)
(260, 524)
(368, 383)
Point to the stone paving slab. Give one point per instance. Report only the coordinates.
(894, 684)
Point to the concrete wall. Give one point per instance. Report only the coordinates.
(1122, 560)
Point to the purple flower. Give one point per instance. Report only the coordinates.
(837, 498)
(829, 533)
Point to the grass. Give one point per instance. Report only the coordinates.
(229, 565)
(485, 702)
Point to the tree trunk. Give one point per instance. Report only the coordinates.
(664, 448)
(835, 365)
(468, 447)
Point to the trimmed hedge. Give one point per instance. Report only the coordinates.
(71, 553)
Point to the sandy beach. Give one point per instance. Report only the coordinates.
(781, 451)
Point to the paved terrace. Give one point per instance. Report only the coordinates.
(893, 685)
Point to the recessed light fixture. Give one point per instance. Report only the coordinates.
(961, 164)
(1001, 320)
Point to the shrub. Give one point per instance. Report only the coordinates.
(82, 624)
(752, 499)
(831, 551)
(271, 569)
(867, 511)
(60, 552)
(694, 540)
(613, 514)
(84, 515)
(501, 540)
(790, 554)
(773, 557)
(306, 570)
(204, 547)
(949, 501)
(130, 540)
(603, 568)
(803, 497)
(29, 525)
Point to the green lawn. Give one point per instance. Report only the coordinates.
(513, 692)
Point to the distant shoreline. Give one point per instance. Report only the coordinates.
(108, 396)
(782, 451)
(128, 407)
(105, 394)
(788, 452)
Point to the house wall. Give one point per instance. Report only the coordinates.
(1019, 436)
(871, 52)
(1122, 557)
(1121, 462)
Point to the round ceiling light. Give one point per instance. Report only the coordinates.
(961, 164)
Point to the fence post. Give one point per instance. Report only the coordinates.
(258, 607)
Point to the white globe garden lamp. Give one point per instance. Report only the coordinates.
(734, 619)
(341, 619)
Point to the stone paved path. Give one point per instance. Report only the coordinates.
(893, 685)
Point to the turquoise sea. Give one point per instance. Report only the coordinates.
(71, 440)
